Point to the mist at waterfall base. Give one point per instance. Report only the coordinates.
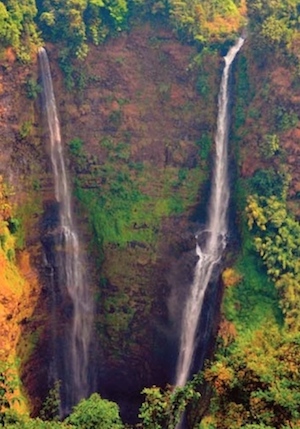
(210, 244)
(70, 363)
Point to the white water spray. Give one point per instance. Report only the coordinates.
(216, 231)
(77, 341)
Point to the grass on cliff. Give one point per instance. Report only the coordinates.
(254, 299)
(120, 213)
(126, 201)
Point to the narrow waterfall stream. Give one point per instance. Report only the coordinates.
(214, 235)
(73, 372)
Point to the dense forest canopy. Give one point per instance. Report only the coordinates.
(74, 23)
(77, 22)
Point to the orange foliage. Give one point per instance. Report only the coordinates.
(231, 277)
(200, 13)
(10, 55)
(222, 25)
(220, 376)
(227, 332)
(231, 23)
(243, 8)
(234, 418)
(19, 293)
(18, 297)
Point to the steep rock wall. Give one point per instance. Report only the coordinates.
(139, 169)
(138, 135)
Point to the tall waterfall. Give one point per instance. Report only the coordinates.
(76, 340)
(214, 236)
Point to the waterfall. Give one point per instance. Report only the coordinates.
(76, 340)
(214, 236)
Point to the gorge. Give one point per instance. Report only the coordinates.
(99, 212)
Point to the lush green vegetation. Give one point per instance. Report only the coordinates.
(17, 26)
(10, 225)
(244, 92)
(6, 389)
(161, 409)
(256, 381)
(277, 241)
(210, 21)
(254, 376)
(274, 25)
(119, 211)
(77, 22)
(91, 413)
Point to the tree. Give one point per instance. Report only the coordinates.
(277, 239)
(4, 24)
(206, 21)
(275, 31)
(5, 391)
(273, 24)
(51, 405)
(17, 26)
(162, 409)
(63, 20)
(76, 21)
(95, 413)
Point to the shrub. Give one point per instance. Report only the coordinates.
(285, 119)
(32, 88)
(270, 145)
(204, 144)
(95, 413)
(75, 146)
(25, 129)
(268, 182)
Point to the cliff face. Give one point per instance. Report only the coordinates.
(139, 158)
(140, 167)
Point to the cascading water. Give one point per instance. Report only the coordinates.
(76, 343)
(215, 233)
